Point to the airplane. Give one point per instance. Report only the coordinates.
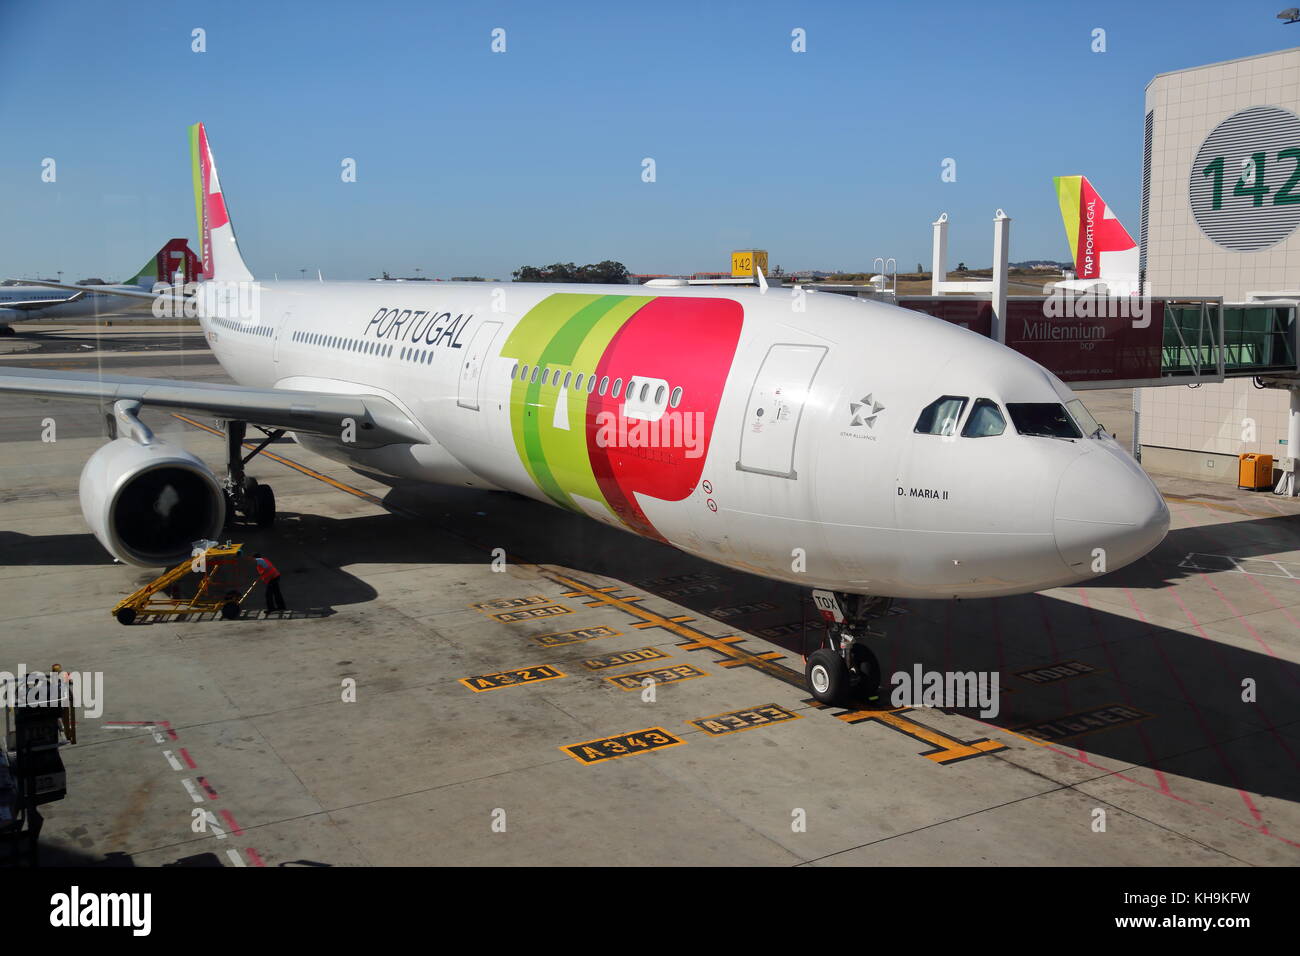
(861, 450)
(1105, 255)
(34, 301)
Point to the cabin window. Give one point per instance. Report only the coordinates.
(591, 384)
(985, 420)
(675, 398)
(567, 377)
(941, 416)
(618, 387)
(537, 370)
(514, 371)
(577, 383)
(659, 395)
(604, 383)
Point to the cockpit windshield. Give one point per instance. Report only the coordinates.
(1083, 418)
(1043, 419)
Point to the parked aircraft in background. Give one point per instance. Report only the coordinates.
(174, 260)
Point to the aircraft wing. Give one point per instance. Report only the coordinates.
(378, 421)
(25, 305)
(101, 289)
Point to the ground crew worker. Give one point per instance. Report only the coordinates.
(271, 578)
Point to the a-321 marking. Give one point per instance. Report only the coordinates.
(513, 678)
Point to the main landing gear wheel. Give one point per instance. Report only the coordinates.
(245, 496)
(6, 330)
(126, 616)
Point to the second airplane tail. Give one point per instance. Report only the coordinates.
(173, 258)
(1101, 246)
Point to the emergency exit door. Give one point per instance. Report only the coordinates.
(775, 408)
(471, 368)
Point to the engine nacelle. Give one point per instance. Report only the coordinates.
(147, 504)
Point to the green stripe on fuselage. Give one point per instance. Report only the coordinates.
(568, 332)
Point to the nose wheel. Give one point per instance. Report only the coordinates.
(245, 495)
(845, 668)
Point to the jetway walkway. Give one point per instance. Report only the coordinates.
(1100, 343)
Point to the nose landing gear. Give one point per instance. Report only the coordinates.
(845, 667)
(244, 494)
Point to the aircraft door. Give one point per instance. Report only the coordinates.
(776, 402)
(281, 330)
(471, 369)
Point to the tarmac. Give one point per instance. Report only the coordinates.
(459, 680)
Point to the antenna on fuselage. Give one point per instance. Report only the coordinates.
(762, 280)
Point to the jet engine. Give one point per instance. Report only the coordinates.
(147, 503)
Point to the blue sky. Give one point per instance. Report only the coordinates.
(470, 162)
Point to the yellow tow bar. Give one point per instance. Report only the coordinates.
(218, 592)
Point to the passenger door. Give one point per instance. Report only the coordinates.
(770, 428)
(471, 369)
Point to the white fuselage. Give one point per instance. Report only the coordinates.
(811, 470)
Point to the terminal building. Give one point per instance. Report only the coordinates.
(1220, 207)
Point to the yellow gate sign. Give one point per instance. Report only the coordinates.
(744, 262)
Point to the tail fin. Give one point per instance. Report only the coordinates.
(217, 246)
(1101, 246)
(176, 256)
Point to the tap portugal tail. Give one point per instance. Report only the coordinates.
(1101, 246)
(218, 250)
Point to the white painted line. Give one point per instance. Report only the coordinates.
(235, 858)
(217, 832)
(171, 759)
(194, 791)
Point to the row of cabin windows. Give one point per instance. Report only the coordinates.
(342, 343)
(381, 349)
(242, 327)
(1038, 419)
(565, 378)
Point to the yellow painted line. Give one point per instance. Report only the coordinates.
(309, 472)
(695, 640)
(946, 749)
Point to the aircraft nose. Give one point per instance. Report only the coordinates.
(1106, 501)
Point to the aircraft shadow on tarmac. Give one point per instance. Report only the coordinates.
(1187, 689)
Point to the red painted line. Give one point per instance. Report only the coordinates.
(1200, 718)
(189, 761)
(230, 819)
(1128, 699)
(1247, 625)
(253, 857)
(1224, 664)
(208, 788)
(166, 725)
